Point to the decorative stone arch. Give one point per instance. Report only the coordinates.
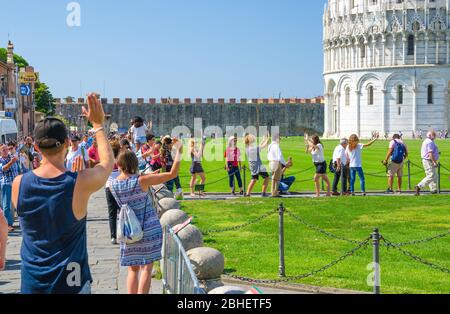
(343, 80)
(432, 78)
(365, 78)
(398, 77)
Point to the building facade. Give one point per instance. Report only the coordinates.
(24, 110)
(386, 66)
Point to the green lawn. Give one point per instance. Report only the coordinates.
(294, 147)
(253, 251)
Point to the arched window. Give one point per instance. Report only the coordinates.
(370, 95)
(430, 95)
(399, 95)
(411, 44)
(347, 96)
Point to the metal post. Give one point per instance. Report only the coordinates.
(245, 180)
(376, 261)
(323, 185)
(180, 271)
(409, 174)
(439, 177)
(282, 268)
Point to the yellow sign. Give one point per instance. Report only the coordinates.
(28, 77)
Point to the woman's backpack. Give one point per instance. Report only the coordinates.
(129, 230)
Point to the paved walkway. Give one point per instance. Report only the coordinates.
(108, 276)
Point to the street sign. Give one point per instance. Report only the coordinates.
(28, 77)
(25, 90)
(10, 103)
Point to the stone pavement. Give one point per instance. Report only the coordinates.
(108, 276)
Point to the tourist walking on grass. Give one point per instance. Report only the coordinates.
(9, 170)
(133, 190)
(354, 155)
(341, 167)
(233, 165)
(3, 239)
(317, 152)
(196, 166)
(276, 163)
(430, 161)
(52, 206)
(396, 154)
(113, 207)
(256, 166)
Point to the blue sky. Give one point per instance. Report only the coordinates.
(176, 48)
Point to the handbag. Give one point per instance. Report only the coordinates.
(129, 230)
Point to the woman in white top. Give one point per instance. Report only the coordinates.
(316, 149)
(353, 152)
(138, 132)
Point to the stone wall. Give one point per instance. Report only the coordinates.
(293, 118)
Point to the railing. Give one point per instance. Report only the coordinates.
(178, 275)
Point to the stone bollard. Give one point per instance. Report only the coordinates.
(173, 217)
(191, 238)
(163, 192)
(167, 204)
(207, 263)
(228, 290)
(210, 285)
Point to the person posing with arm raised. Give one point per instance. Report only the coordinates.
(52, 206)
(353, 153)
(131, 189)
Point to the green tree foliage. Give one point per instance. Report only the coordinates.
(66, 122)
(45, 102)
(18, 60)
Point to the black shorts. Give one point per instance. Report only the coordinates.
(321, 167)
(196, 168)
(263, 175)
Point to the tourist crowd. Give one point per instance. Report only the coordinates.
(48, 180)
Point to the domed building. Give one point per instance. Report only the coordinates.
(386, 66)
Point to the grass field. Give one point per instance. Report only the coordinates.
(253, 251)
(217, 180)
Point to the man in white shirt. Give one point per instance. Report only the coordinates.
(341, 166)
(75, 151)
(276, 163)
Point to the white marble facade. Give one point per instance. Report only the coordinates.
(386, 66)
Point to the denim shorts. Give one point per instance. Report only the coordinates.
(141, 140)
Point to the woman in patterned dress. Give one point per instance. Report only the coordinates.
(131, 189)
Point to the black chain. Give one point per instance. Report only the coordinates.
(316, 228)
(414, 242)
(301, 171)
(310, 274)
(253, 221)
(415, 257)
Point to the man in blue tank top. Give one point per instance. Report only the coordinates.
(52, 206)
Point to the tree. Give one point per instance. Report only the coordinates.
(45, 102)
(18, 60)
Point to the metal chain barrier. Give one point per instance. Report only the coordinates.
(340, 238)
(238, 227)
(446, 169)
(301, 171)
(416, 165)
(316, 228)
(310, 274)
(415, 257)
(415, 242)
